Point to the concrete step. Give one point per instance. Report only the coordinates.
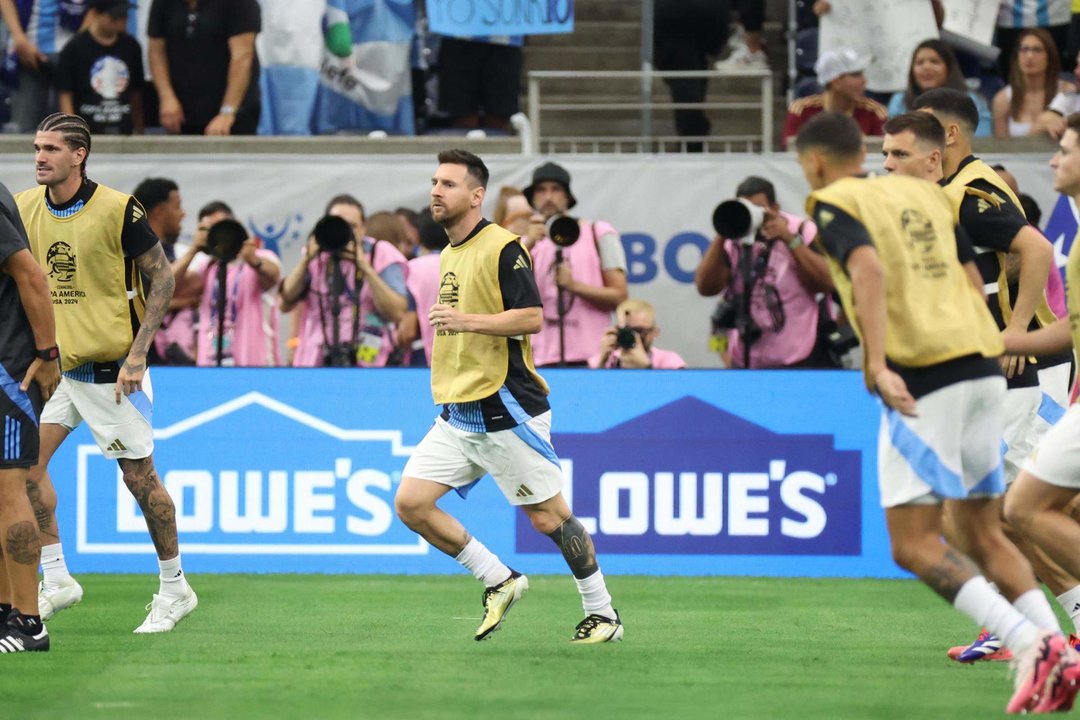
(596, 34)
(582, 58)
(607, 10)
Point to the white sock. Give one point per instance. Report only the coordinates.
(595, 599)
(1036, 608)
(980, 603)
(172, 577)
(1070, 600)
(53, 565)
(482, 563)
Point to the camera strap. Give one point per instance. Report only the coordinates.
(358, 285)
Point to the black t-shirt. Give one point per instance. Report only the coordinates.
(517, 284)
(136, 237)
(102, 79)
(16, 336)
(197, 47)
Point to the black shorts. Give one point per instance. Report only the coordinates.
(478, 78)
(19, 435)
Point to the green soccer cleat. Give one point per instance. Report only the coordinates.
(498, 600)
(598, 629)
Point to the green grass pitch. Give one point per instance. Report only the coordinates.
(314, 646)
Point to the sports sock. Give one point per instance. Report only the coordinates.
(482, 563)
(980, 603)
(53, 565)
(1070, 600)
(595, 599)
(172, 578)
(5, 608)
(1036, 608)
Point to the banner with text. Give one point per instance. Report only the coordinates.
(678, 472)
(483, 18)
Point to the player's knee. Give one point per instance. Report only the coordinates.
(908, 554)
(410, 509)
(545, 522)
(1018, 514)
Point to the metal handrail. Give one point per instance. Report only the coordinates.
(646, 105)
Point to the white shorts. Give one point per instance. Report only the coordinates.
(1057, 460)
(951, 450)
(521, 460)
(121, 431)
(1054, 381)
(1029, 413)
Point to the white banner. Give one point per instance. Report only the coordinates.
(973, 19)
(662, 206)
(887, 32)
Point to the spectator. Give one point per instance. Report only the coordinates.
(748, 52)
(388, 226)
(367, 318)
(479, 80)
(174, 343)
(423, 283)
(410, 223)
(250, 337)
(579, 285)
(639, 318)
(1033, 83)
(39, 30)
(685, 33)
(1015, 17)
(100, 72)
(840, 72)
(1052, 120)
(934, 65)
(784, 276)
(512, 210)
(204, 66)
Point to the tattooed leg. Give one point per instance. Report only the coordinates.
(39, 487)
(142, 480)
(576, 546)
(21, 543)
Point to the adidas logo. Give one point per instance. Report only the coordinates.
(523, 491)
(520, 264)
(1076, 607)
(984, 206)
(825, 217)
(136, 214)
(116, 446)
(11, 644)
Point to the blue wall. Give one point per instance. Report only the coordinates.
(676, 472)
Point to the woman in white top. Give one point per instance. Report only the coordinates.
(1033, 82)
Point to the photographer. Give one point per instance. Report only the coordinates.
(784, 276)
(580, 282)
(630, 343)
(365, 320)
(250, 337)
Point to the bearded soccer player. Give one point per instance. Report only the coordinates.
(496, 418)
(96, 245)
(930, 354)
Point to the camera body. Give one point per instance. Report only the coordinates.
(626, 337)
(341, 355)
(730, 315)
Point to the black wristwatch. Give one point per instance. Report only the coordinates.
(51, 353)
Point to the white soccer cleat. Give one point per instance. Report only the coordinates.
(165, 611)
(52, 598)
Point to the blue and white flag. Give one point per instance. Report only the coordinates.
(365, 80)
(290, 52)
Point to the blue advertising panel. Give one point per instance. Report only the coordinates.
(673, 472)
(484, 18)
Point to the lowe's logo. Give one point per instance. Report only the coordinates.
(691, 478)
(246, 479)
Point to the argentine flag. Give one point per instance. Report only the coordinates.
(290, 51)
(365, 77)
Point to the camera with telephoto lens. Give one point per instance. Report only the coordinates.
(738, 219)
(563, 230)
(224, 240)
(332, 234)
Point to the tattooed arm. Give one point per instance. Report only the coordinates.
(155, 267)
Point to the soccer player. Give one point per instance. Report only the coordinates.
(1014, 260)
(495, 418)
(930, 354)
(29, 373)
(95, 245)
(1050, 479)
